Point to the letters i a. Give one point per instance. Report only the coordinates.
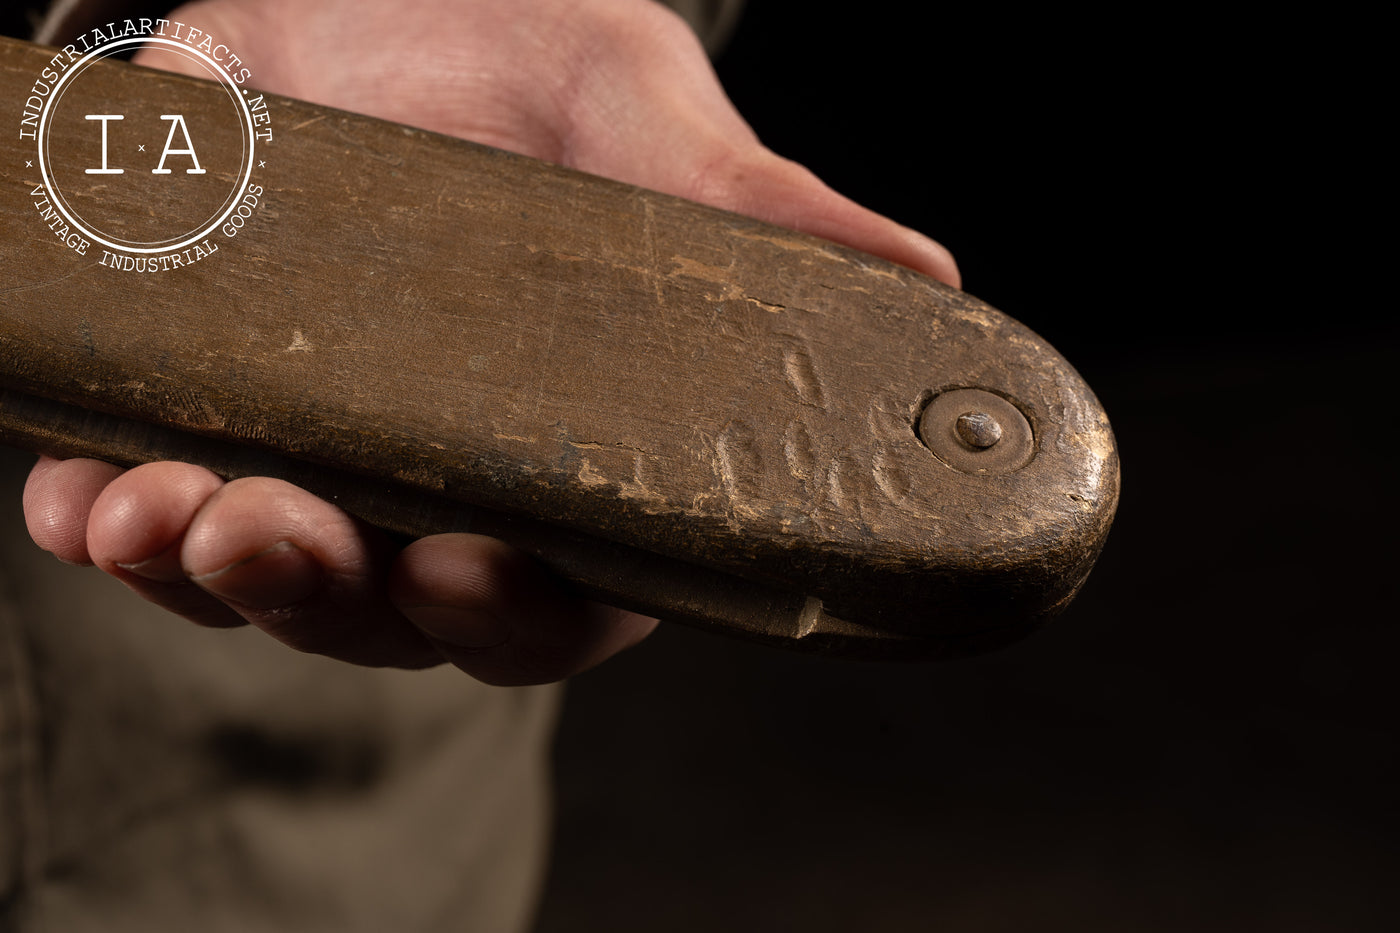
(177, 121)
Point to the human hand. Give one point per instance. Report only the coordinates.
(619, 88)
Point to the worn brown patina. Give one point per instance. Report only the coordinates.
(681, 410)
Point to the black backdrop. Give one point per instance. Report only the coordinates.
(1205, 740)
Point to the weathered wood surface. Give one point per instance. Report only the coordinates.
(682, 410)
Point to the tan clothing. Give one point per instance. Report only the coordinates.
(155, 776)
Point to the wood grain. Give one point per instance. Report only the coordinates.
(681, 410)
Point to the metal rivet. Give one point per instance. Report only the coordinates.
(978, 429)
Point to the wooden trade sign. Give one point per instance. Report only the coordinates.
(680, 410)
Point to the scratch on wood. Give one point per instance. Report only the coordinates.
(639, 487)
(802, 376)
(835, 494)
(892, 480)
(805, 246)
(615, 445)
(24, 288)
(797, 446)
(649, 235)
(765, 305)
(715, 275)
(740, 465)
(358, 144)
(299, 344)
(589, 476)
(980, 318)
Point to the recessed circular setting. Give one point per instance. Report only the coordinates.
(976, 431)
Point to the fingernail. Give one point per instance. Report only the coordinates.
(163, 568)
(282, 575)
(465, 628)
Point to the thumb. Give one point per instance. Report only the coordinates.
(756, 182)
(652, 112)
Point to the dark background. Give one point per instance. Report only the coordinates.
(1205, 740)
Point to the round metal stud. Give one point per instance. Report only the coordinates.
(978, 429)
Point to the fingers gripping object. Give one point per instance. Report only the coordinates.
(679, 410)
